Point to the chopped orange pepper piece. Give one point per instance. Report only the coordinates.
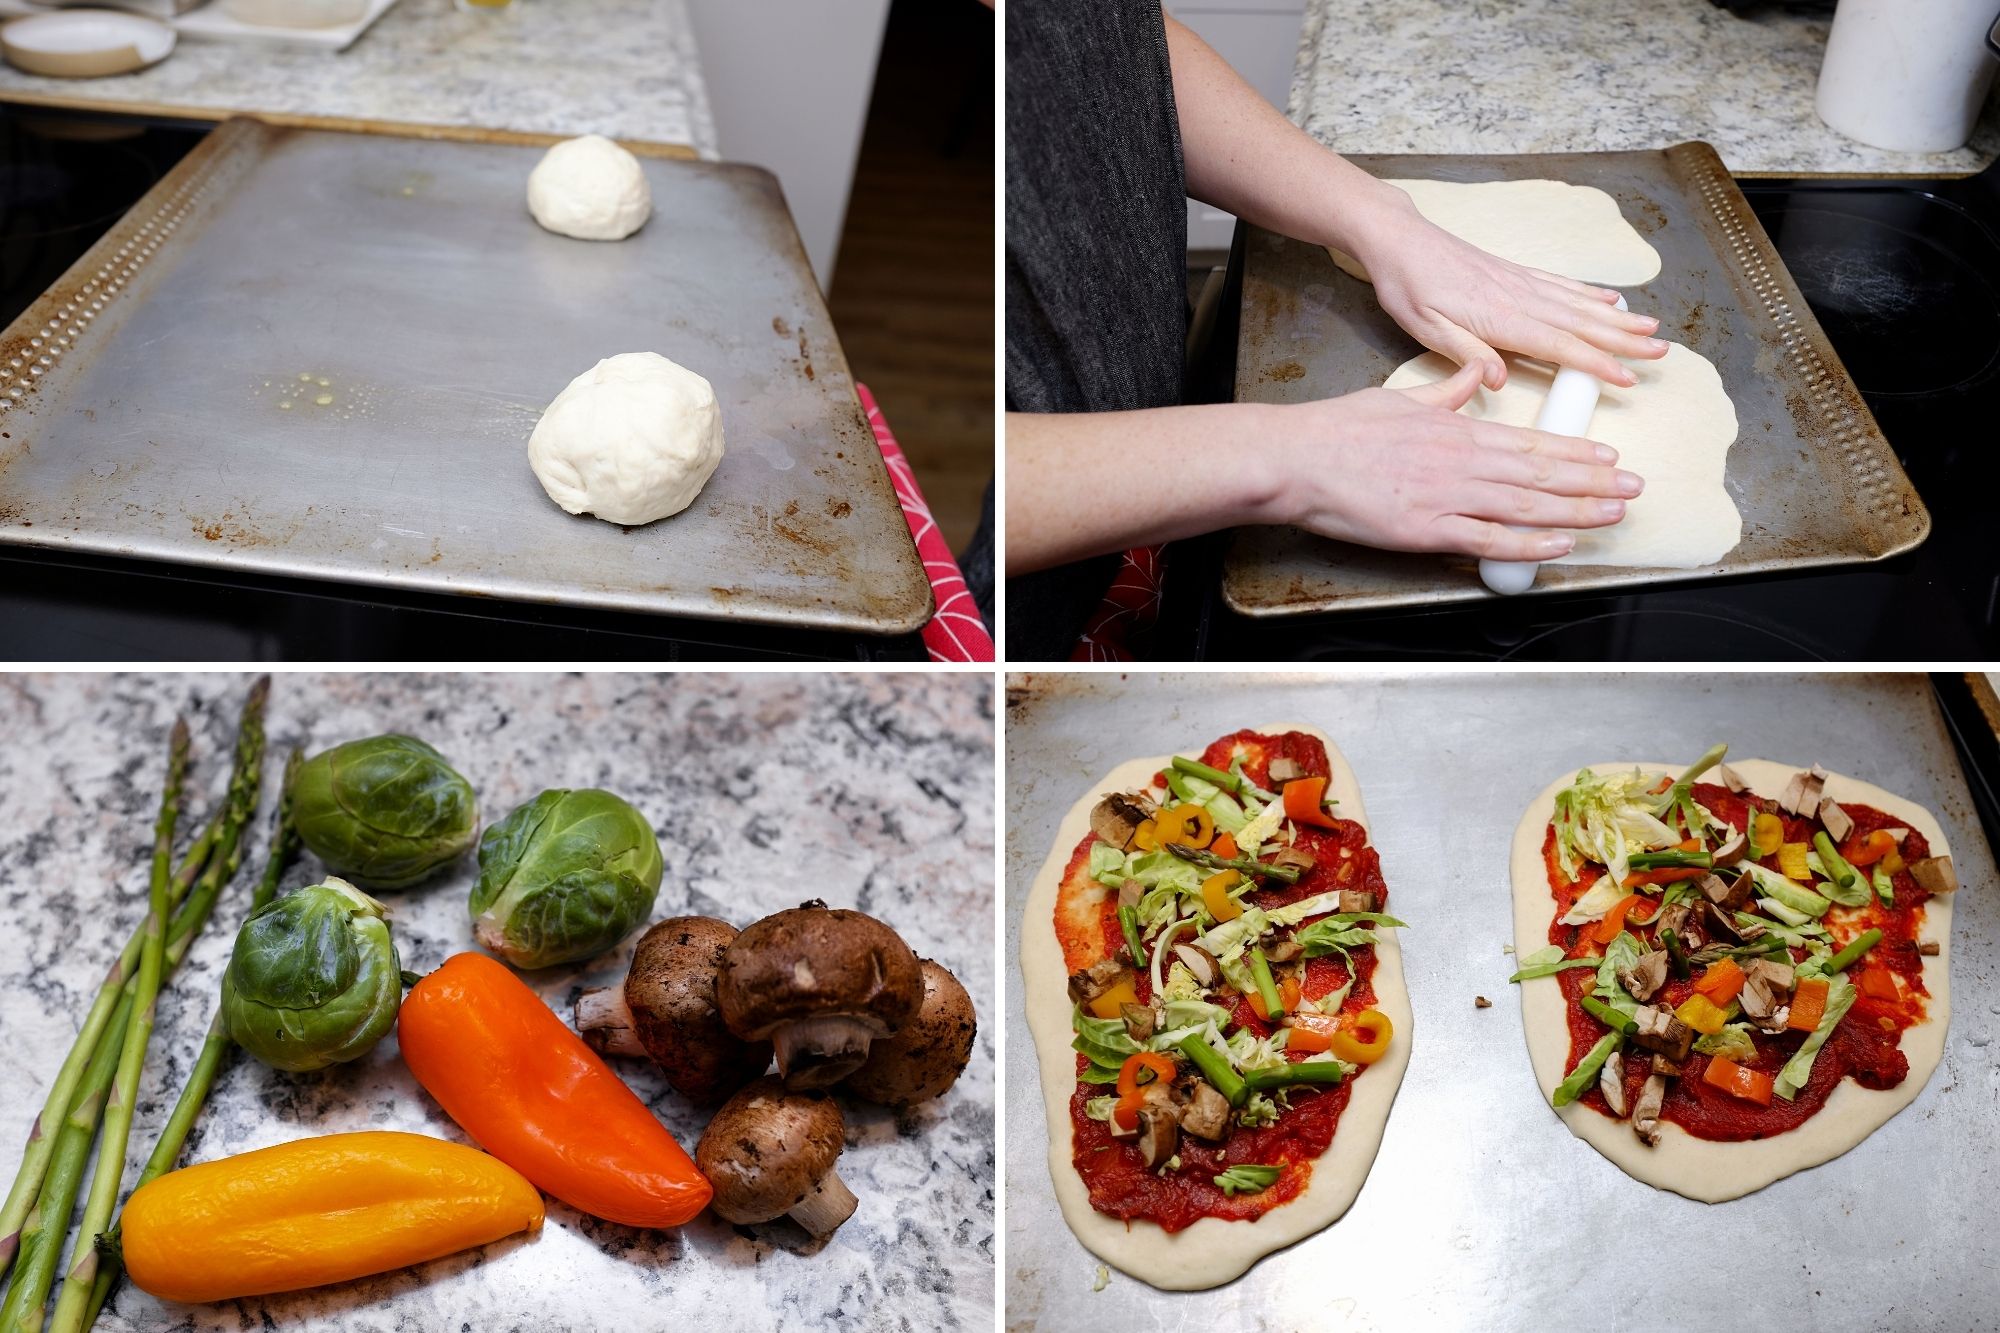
(1664, 875)
(1808, 1004)
(1607, 930)
(1184, 826)
(1132, 1088)
(1364, 1038)
(1288, 996)
(1876, 983)
(1215, 895)
(1312, 1031)
(1722, 981)
(1303, 799)
(1225, 846)
(1734, 1079)
(1111, 1003)
(1867, 851)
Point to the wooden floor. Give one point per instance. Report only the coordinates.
(913, 283)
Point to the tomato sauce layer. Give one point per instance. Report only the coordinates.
(1112, 1169)
(1863, 1046)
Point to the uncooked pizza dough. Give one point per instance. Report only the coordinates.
(591, 189)
(631, 440)
(1708, 1170)
(1574, 230)
(1212, 1250)
(1673, 428)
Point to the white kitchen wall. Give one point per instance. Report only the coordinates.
(1261, 39)
(789, 81)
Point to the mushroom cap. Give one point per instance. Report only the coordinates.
(926, 1056)
(671, 993)
(766, 1149)
(815, 961)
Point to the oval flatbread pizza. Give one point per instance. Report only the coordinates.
(1216, 997)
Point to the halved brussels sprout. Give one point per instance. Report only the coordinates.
(314, 979)
(564, 878)
(386, 812)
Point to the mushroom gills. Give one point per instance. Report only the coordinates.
(819, 1052)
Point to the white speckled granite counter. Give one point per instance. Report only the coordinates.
(1565, 76)
(872, 791)
(623, 68)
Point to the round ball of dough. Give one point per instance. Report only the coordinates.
(631, 440)
(591, 189)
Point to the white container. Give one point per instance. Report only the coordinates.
(1908, 75)
(295, 13)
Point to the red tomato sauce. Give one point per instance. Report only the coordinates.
(1112, 1169)
(1863, 1046)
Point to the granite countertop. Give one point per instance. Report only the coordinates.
(872, 791)
(623, 68)
(1556, 76)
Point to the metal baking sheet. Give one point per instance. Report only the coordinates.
(1815, 481)
(1482, 1210)
(161, 401)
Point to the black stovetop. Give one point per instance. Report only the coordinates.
(1905, 278)
(64, 179)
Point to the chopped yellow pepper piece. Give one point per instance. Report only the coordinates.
(1215, 895)
(1767, 833)
(1892, 861)
(1702, 1014)
(1111, 1003)
(1792, 862)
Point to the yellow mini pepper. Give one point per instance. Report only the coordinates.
(1702, 1014)
(318, 1210)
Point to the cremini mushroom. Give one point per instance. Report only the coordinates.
(927, 1054)
(821, 984)
(666, 1010)
(769, 1153)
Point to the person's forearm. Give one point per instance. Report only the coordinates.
(1244, 156)
(1087, 483)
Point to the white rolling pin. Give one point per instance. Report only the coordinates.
(1567, 410)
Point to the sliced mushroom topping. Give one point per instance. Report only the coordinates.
(1780, 977)
(1749, 931)
(1660, 1031)
(1096, 979)
(1838, 823)
(1897, 835)
(1130, 892)
(1282, 951)
(1729, 853)
(1140, 1021)
(1116, 818)
(1794, 792)
(1929, 948)
(1720, 924)
(1731, 893)
(1356, 900)
(1611, 1082)
(1644, 977)
(1934, 874)
(1294, 858)
(1207, 1114)
(1159, 1135)
(1666, 1068)
(1731, 779)
(1673, 917)
(1284, 769)
(1646, 1111)
(1200, 962)
(1803, 793)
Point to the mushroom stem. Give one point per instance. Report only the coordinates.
(830, 1203)
(604, 1021)
(819, 1052)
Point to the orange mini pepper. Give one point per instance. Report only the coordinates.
(1867, 851)
(1184, 826)
(315, 1211)
(1225, 846)
(520, 1082)
(1364, 1038)
(1132, 1086)
(1808, 1004)
(1607, 930)
(1288, 996)
(1722, 981)
(1311, 1031)
(1734, 1079)
(1304, 798)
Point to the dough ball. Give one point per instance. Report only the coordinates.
(631, 440)
(591, 189)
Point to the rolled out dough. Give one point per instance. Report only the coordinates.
(1710, 1170)
(1673, 428)
(1574, 230)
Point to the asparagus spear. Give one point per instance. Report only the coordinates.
(215, 1048)
(41, 1238)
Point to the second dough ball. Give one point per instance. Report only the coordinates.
(631, 440)
(591, 189)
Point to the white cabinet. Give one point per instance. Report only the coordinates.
(1261, 39)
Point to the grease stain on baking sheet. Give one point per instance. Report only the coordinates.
(771, 450)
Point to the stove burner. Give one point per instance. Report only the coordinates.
(1902, 282)
(1660, 635)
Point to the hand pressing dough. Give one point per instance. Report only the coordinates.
(1673, 428)
(591, 189)
(631, 440)
(1574, 230)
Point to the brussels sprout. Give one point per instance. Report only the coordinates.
(314, 979)
(386, 812)
(564, 878)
